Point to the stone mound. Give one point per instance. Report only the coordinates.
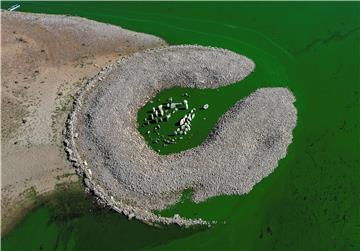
(118, 165)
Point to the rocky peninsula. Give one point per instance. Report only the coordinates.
(105, 146)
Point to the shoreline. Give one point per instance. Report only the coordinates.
(47, 61)
(29, 204)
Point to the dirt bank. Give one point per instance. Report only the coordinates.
(44, 61)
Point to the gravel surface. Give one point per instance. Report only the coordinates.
(123, 171)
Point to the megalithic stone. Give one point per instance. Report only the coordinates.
(185, 102)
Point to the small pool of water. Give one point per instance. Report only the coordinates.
(171, 126)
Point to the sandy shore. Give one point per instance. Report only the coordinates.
(121, 169)
(45, 60)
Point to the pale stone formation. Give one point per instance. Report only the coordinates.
(243, 148)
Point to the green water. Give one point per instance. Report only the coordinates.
(311, 201)
(71, 220)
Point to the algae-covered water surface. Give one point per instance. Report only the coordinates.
(311, 201)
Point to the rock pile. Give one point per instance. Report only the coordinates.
(123, 171)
